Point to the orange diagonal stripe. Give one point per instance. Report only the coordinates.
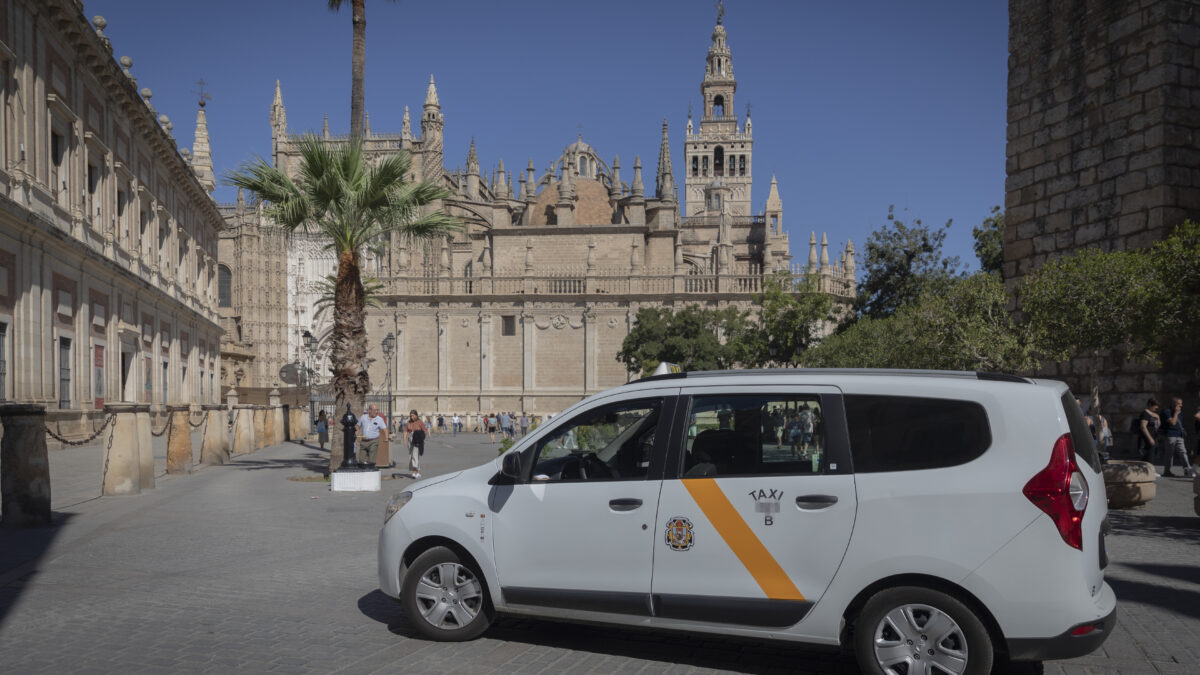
(741, 540)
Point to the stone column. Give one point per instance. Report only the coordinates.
(384, 455)
(260, 427)
(24, 466)
(122, 452)
(276, 414)
(145, 451)
(214, 447)
(179, 440)
(243, 429)
(268, 439)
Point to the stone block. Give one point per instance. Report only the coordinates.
(355, 481)
(145, 449)
(24, 466)
(179, 441)
(1131, 182)
(214, 445)
(121, 472)
(1125, 495)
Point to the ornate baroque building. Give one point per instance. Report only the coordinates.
(527, 307)
(108, 234)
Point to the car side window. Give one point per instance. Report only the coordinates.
(908, 433)
(752, 434)
(613, 442)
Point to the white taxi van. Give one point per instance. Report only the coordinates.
(926, 520)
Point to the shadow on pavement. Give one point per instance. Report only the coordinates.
(314, 461)
(746, 656)
(1188, 573)
(21, 549)
(1135, 524)
(1172, 598)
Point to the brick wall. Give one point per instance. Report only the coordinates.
(1103, 124)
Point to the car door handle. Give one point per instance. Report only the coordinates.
(815, 502)
(624, 504)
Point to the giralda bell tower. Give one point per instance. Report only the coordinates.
(719, 149)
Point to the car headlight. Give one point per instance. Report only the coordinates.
(394, 505)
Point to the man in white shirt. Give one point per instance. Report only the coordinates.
(455, 423)
(370, 426)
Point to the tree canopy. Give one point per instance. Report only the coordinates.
(989, 242)
(900, 262)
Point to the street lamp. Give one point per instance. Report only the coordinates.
(310, 345)
(389, 346)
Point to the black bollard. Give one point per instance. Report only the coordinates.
(349, 422)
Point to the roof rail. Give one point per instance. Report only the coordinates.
(1002, 377)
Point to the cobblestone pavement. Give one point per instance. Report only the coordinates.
(237, 569)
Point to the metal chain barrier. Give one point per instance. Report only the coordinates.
(233, 420)
(199, 424)
(165, 426)
(109, 420)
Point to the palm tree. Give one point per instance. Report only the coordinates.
(356, 204)
(358, 63)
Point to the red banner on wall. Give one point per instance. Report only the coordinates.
(98, 387)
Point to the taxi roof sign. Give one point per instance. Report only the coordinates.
(665, 368)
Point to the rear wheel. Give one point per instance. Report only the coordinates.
(444, 597)
(912, 630)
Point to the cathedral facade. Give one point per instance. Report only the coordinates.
(527, 307)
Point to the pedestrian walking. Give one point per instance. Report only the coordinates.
(1146, 427)
(416, 446)
(525, 423)
(456, 423)
(441, 423)
(491, 427)
(1173, 447)
(322, 429)
(371, 427)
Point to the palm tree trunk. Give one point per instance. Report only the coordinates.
(348, 351)
(358, 63)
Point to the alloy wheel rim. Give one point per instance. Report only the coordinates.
(449, 596)
(917, 638)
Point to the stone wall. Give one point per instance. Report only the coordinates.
(1103, 119)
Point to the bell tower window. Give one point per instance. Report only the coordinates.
(742, 165)
(718, 109)
(695, 166)
(719, 161)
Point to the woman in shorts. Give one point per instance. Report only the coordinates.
(491, 420)
(322, 429)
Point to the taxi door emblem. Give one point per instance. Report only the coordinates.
(680, 536)
(766, 502)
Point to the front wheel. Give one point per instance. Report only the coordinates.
(444, 597)
(910, 630)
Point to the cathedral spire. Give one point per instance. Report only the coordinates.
(278, 112)
(824, 253)
(664, 183)
(202, 153)
(366, 123)
(406, 126)
(325, 127)
(431, 96)
(812, 252)
(501, 188)
(637, 189)
(472, 160)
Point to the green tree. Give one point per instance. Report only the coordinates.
(965, 326)
(787, 322)
(690, 337)
(358, 63)
(900, 262)
(354, 203)
(989, 242)
(1176, 261)
(1093, 301)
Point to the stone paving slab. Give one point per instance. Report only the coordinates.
(236, 568)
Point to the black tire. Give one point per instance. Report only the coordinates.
(923, 605)
(459, 613)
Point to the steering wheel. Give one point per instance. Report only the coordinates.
(590, 466)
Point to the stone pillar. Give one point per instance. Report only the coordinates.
(243, 429)
(384, 456)
(231, 398)
(24, 466)
(214, 447)
(145, 451)
(276, 414)
(122, 452)
(179, 440)
(260, 426)
(268, 426)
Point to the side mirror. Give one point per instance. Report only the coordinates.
(510, 466)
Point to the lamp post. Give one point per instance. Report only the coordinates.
(310, 345)
(389, 346)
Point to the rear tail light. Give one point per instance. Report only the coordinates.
(1061, 491)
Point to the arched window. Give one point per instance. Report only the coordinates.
(224, 286)
(718, 106)
(719, 161)
(742, 165)
(695, 165)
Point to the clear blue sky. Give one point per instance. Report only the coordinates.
(856, 105)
